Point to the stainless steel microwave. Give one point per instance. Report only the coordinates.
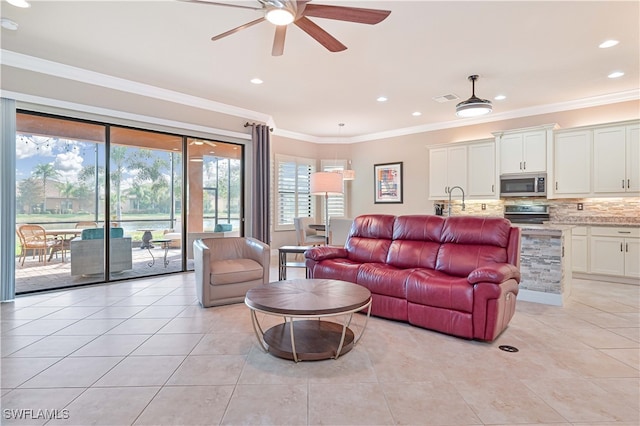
(523, 185)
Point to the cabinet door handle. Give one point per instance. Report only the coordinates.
(621, 247)
(626, 247)
(556, 185)
(521, 165)
(624, 232)
(622, 183)
(524, 165)
(492, 188)
(629, 183)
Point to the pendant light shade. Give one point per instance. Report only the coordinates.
(474, 106)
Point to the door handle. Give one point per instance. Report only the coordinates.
(556, 185)
(524, 165)
(628, 183)
(492, 188)
(521, 165)
(622, 183)
(620, 246)
(626, 247)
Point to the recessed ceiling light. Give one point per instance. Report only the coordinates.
(616, 74)
(608, 43)
(196, 159)
(8, 24)
(198, 142)
(416, 113)
(19, 3)
(500, 98)
(382, 99)
(256, 81)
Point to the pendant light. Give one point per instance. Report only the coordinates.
(347, 174)
(474, 106)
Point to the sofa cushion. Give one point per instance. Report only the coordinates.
(385, 279)
(98, 233)
(370, 238)
(476, 230)
(232, 271)
(337, 269)
(416, 240)
(472, 242)
(433, 288)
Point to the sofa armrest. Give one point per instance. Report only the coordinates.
(202, 269)
(325, 252)
(497, 274)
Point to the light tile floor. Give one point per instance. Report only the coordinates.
(143, 352)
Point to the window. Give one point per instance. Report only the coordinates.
(336, 202)
(292, 185)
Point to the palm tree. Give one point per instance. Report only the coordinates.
(45, 172)
(66, 189)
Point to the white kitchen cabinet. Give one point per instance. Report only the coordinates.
(615, 251)
(447, 168)
(482, 174)
(616, 154)
(572, 162)
(580, 249)
(524, 152)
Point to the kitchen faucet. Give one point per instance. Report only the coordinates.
(450, 191)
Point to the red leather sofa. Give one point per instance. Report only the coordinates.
(456, 275)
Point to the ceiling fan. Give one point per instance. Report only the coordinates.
(284, 12)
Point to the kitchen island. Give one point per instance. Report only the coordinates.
(545, 263)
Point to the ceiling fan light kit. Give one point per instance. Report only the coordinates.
(474, 106)
(279, 16)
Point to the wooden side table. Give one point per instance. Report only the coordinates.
(282, 259)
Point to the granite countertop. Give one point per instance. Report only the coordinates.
(595, 223)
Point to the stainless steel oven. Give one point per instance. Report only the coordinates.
(523, 185)
(531, 213)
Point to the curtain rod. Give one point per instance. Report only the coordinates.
(247, 124)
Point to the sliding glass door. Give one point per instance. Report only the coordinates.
(99, 202)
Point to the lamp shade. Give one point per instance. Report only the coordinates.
(326, 183)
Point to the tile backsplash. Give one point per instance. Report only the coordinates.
(563, 210)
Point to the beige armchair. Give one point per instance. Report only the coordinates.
(226, 268)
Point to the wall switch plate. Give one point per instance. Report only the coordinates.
(580, 206)
(484, 206)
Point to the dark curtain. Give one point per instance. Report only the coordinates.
(260, 212)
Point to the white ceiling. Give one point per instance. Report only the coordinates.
(543, 55)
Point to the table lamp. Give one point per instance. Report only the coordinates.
(325, 183)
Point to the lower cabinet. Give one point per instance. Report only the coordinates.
(614, 251)
(580, 249)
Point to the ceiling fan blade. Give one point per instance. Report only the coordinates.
(214, 3)
(344, 13)
(321, 36)
(278, 40)
(235, 30)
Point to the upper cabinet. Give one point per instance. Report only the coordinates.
(596, 161)
(469, 165)
(482, 174)
(447, 168)
(572, 163)
(616, 155)
(524, 152)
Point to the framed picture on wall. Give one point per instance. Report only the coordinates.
(388, 183)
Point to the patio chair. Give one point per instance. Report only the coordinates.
(34, 237)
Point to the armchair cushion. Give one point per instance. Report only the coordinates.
(234, 270)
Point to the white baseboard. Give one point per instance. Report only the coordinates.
(540, 297)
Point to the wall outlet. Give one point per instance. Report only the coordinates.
(580, 206)
(484, 206)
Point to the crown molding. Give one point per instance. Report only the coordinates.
(105, 112)
(44, 66)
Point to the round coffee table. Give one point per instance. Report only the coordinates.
(308, 300)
